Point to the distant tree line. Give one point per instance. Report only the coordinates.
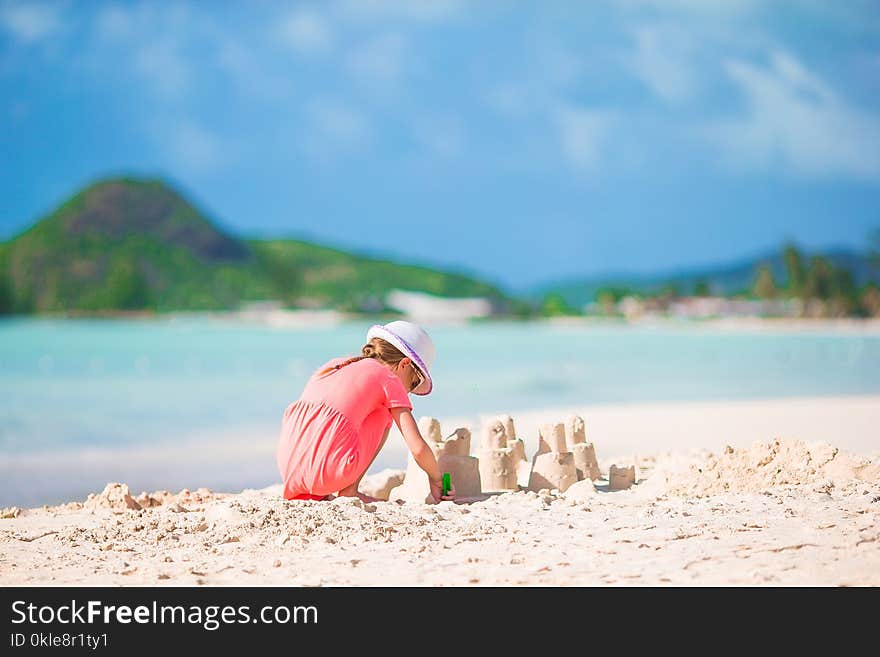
(823, 288)
(5, 294)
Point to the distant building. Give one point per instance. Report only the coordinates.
(427, 307)
(631, 307)
(634, 308)
(257, 308)
(272, 313)
(704, 307)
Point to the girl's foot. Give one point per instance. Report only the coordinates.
(361, 496)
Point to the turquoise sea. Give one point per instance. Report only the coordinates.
(81, 400)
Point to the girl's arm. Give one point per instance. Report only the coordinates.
(422, 454)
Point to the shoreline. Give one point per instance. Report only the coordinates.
(246, 458)
(323, 318)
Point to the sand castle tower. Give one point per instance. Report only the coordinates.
(521, 462)
(553, 465)
(453, 456)
(429, 427)
(497, 466)
(503, 462)
(584, 453)
(621, 478)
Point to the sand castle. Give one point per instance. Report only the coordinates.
(564, 457)
(520, 461)
(430, 429)
(621, 478)
(499, 458)
(553, 465)
(584, 453)
(453, 456)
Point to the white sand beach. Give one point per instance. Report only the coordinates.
(793, 500)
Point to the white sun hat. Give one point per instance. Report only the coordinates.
(412, 340)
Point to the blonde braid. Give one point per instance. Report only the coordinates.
(375, 348)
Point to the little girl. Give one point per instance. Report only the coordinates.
(331, 435)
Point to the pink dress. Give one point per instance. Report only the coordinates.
(332, 432)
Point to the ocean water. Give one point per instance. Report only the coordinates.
(184, 401)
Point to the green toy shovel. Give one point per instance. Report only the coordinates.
(447, 483)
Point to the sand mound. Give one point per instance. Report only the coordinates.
(156, 498)
(237, 521)
(118, 497)
(766, 465)
(114, 496)
(379, 485)
(193, 498)
(581, 490)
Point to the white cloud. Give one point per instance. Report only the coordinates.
(30, 22)
(556, 65)
(195, 149)
(418, 11)
(115, 23)
(582, 134)
(661, 61)
(174, 49)
(333, 127)
(542, 99)
(551, 69)
(307, 32)
(442, 135)
(161, 63)
(511, 99)
(693, 7)
(154, 41)
(246, 74)
(380, 62)
(796, 122)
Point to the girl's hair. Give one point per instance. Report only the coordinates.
(377, 348)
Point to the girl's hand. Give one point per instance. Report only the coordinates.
(437, 491)
(422, 454)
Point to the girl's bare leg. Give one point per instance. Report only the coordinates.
(352, 491)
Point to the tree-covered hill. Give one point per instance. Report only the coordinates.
(129, 244)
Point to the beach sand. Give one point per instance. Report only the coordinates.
(729, 493)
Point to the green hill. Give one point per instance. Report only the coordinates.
(317, 275)
(127, 244)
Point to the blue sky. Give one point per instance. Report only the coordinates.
(521, 141)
